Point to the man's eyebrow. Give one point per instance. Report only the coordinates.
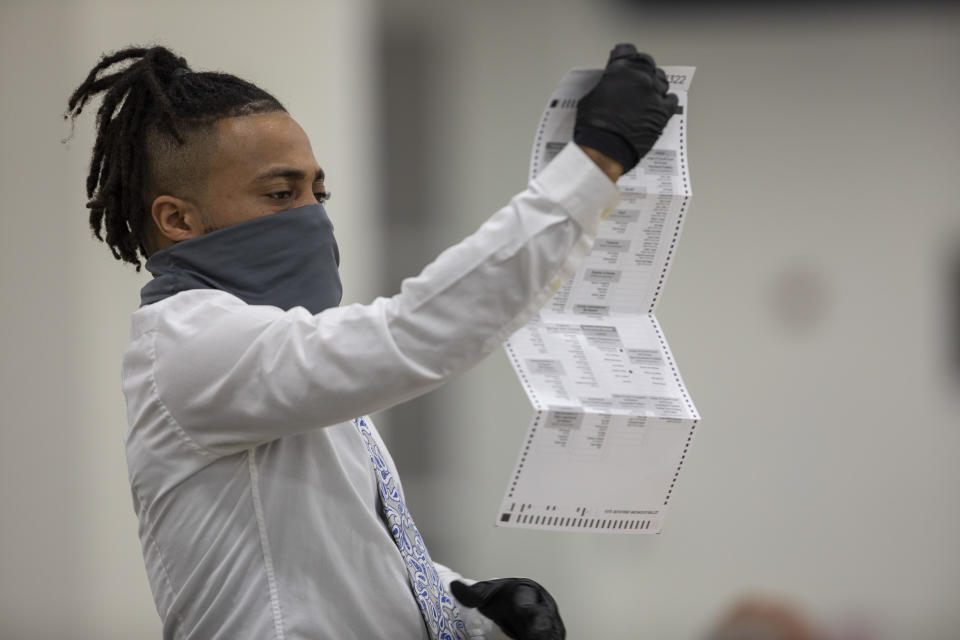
(288, 173)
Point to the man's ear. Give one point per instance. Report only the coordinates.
(176, 219)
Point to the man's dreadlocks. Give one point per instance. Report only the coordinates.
(155, 116)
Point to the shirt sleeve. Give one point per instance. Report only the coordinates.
(234, 375)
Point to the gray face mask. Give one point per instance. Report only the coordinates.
(285, 259)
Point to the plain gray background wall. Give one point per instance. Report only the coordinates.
(808, 307)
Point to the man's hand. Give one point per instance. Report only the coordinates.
(523, 609)
(623, 115)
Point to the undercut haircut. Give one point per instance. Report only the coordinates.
(155, 135)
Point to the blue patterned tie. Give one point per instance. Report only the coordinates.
(439, 610)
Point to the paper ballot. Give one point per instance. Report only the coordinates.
(613, 419)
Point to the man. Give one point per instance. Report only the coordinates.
(268, 504)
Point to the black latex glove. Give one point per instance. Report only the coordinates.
(626, 112)
(521, 608)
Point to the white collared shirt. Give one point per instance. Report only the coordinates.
(257, 504)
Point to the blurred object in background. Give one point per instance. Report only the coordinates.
(762, 618)
(765, 617)
(800, 298)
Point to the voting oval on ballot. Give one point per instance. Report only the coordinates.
(613, 421)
